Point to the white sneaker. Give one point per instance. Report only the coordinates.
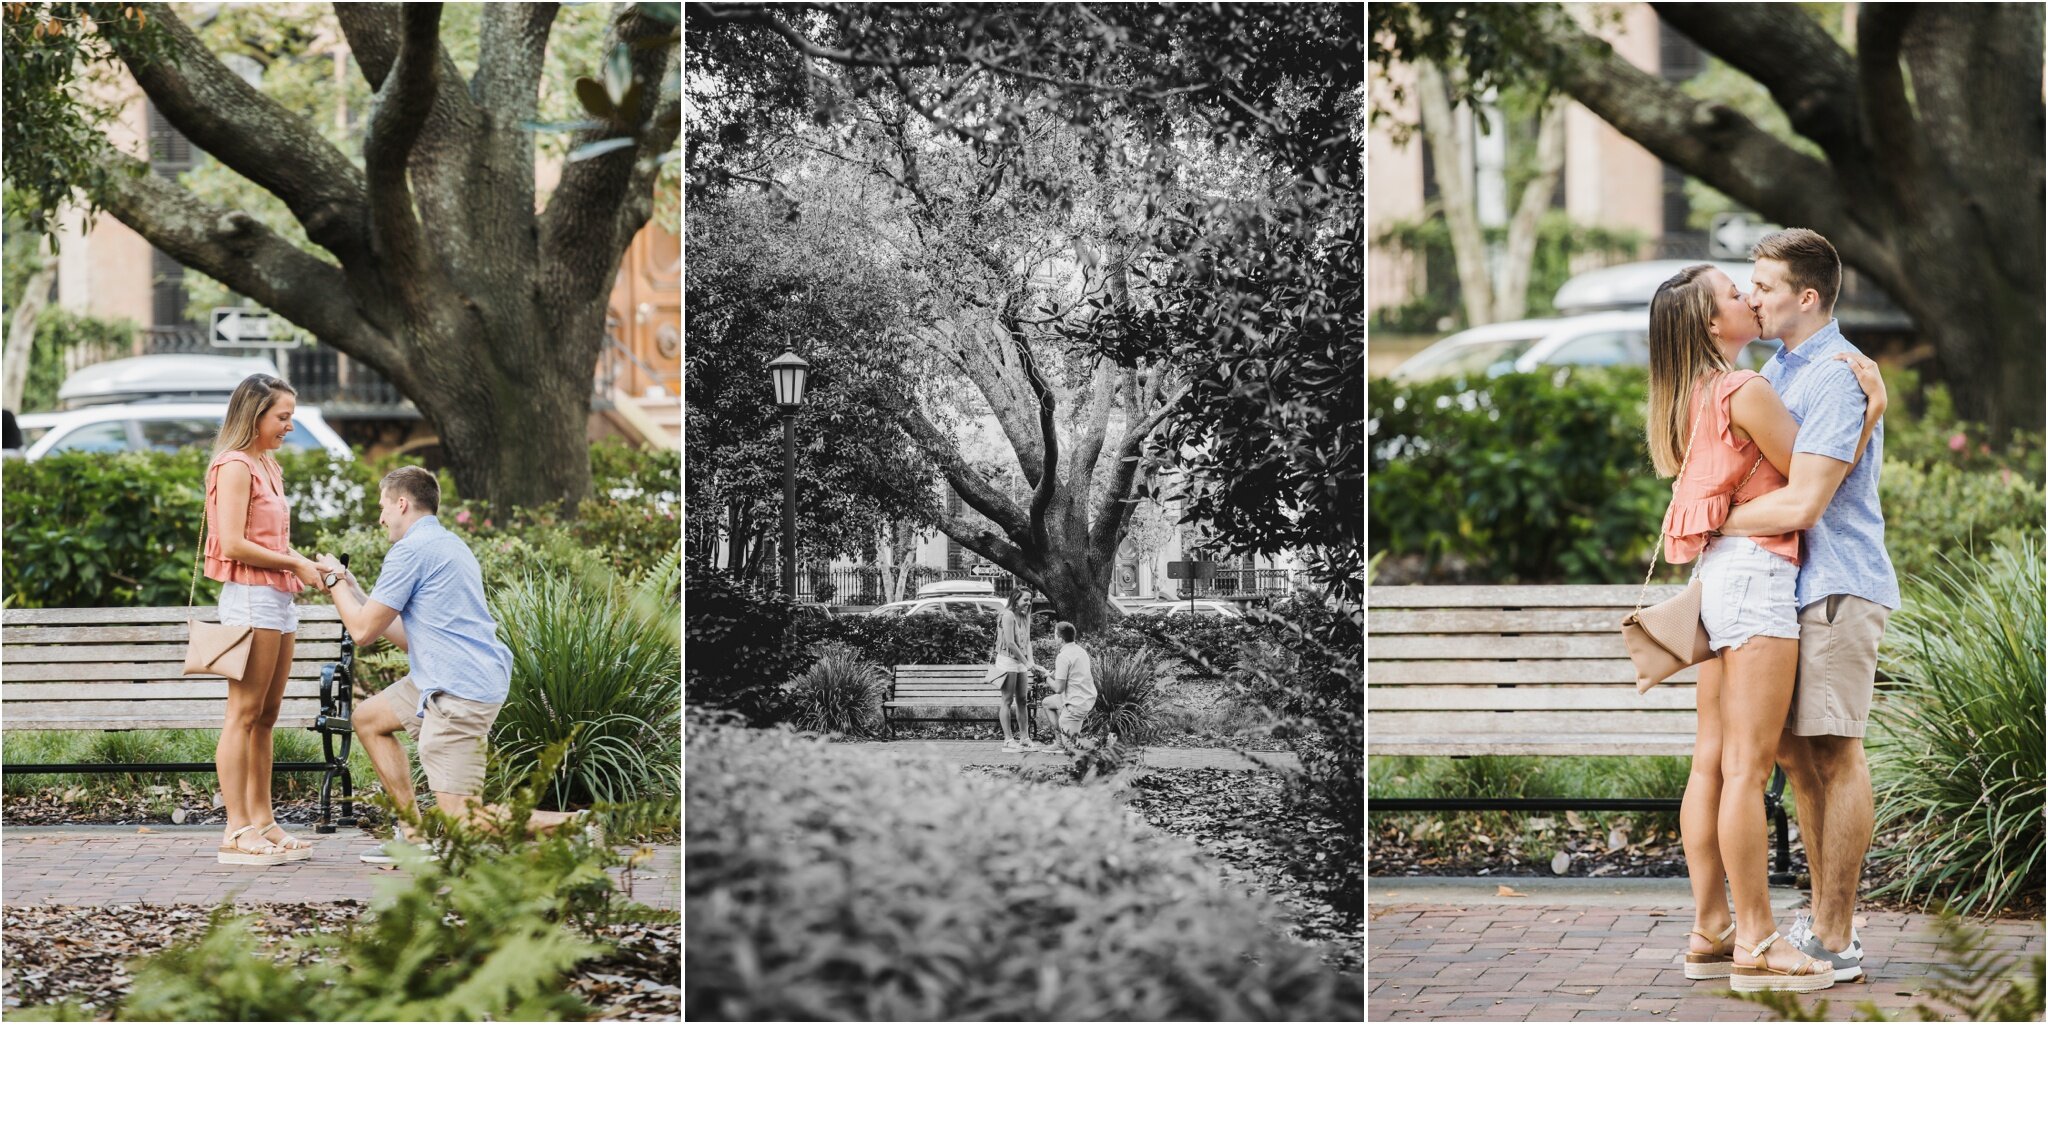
(1848, 963)
(1012, 745)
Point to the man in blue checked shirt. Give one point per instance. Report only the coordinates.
(1846, 585)
(430, 602)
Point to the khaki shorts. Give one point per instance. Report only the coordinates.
(1838, 638)
(1069, 716)
(451, 736)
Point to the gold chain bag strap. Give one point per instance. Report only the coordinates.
(1669, 637)
(213, 649)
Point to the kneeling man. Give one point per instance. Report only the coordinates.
(1073, 685)
(430, 602)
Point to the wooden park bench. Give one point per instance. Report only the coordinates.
(1475, 671)
(122, 669)
(945, 693)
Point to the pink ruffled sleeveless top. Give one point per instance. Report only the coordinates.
(1707, 490)
(269, 525)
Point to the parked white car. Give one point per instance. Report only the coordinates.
(1597, 339)
(161, 425)
(933, 606)
(162, 376)
(975, 587)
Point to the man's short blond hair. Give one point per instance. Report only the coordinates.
(1810, 262)
(416, 484)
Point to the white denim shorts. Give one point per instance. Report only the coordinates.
(1748, 592)
(258, 606)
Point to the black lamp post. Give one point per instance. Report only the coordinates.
(788, 372)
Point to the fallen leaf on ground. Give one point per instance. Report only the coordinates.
(1505, 892)
(145, 831)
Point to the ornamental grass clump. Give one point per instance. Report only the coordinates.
(594, 663)
(1956, 756)
(1126, 697)
(841, 693)
(823, 885)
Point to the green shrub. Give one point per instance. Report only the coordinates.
(593, 664)
(1537, 477)
(88, 530)
(1971, 982)
(840, 693)
(928, 638)
(650, 475)
(1940, 510)
(1956, 757)
(828, 886)
(1126, 696)
(738, 645)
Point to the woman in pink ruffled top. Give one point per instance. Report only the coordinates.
(1727, 438)
(249, 551)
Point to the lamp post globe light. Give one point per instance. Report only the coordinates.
(788, 374)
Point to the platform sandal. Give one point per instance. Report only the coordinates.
(295, 849)
(232, 854)
(1762, 977)
(1713, 965)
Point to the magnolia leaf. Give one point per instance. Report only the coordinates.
(593, 97)
(1506, 892)
(598, 148)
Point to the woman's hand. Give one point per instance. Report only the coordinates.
(306, 571)
(1869, 379)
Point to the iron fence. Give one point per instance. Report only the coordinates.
(314, 371)
(864, 585)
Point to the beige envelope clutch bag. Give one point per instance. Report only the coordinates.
(214, 649)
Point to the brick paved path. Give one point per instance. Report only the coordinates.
(966, 752)
(175, 865)
(1529, 962)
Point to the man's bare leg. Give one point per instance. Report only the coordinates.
(1845, 785)
(1809, 791)
(377, 727)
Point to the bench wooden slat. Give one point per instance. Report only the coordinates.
(197, 687)
(162, 714)
(1382, 699)
(145, 614)
(983, 668)
(314, 632)
(1478, 647)
(19, 670)
(1502, 596)
(1450, 725)
(1496, 621)
(1524, 745)
(1491, 672)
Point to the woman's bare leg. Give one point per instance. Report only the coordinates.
(1699, 814)
(1004, 709)
(263, 750)
(234, 758)
(1756, 691)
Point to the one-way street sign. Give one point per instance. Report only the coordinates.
(251, 327)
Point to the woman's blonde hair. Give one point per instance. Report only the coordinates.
(251, 400)
(1682, 356)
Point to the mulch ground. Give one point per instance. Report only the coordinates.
(57, 952)
(78, 805)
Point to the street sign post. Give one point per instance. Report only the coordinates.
(1190, 573)
(1735, 232)
(251, 327)
(984, 569)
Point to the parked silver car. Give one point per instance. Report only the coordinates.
(165, 426)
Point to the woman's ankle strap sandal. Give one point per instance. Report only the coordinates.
(1711, 965)
(294, 848)
(232, 854)
(1760, 976)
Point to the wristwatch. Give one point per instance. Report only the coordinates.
(333, 577)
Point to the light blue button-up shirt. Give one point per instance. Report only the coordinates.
(1844, 552)
(433, 581)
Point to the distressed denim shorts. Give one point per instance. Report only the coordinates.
(258, 606)
(1748, 592)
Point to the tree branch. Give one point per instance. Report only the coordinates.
(602, 201)
(246, 256)
(1116, 503)
(260, 140)
(1805, 70)
(968, 484)
(397, 118)
(1718, 145)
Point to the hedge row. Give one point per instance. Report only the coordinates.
(825, 885)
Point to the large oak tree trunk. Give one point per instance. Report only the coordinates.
(485, 310)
